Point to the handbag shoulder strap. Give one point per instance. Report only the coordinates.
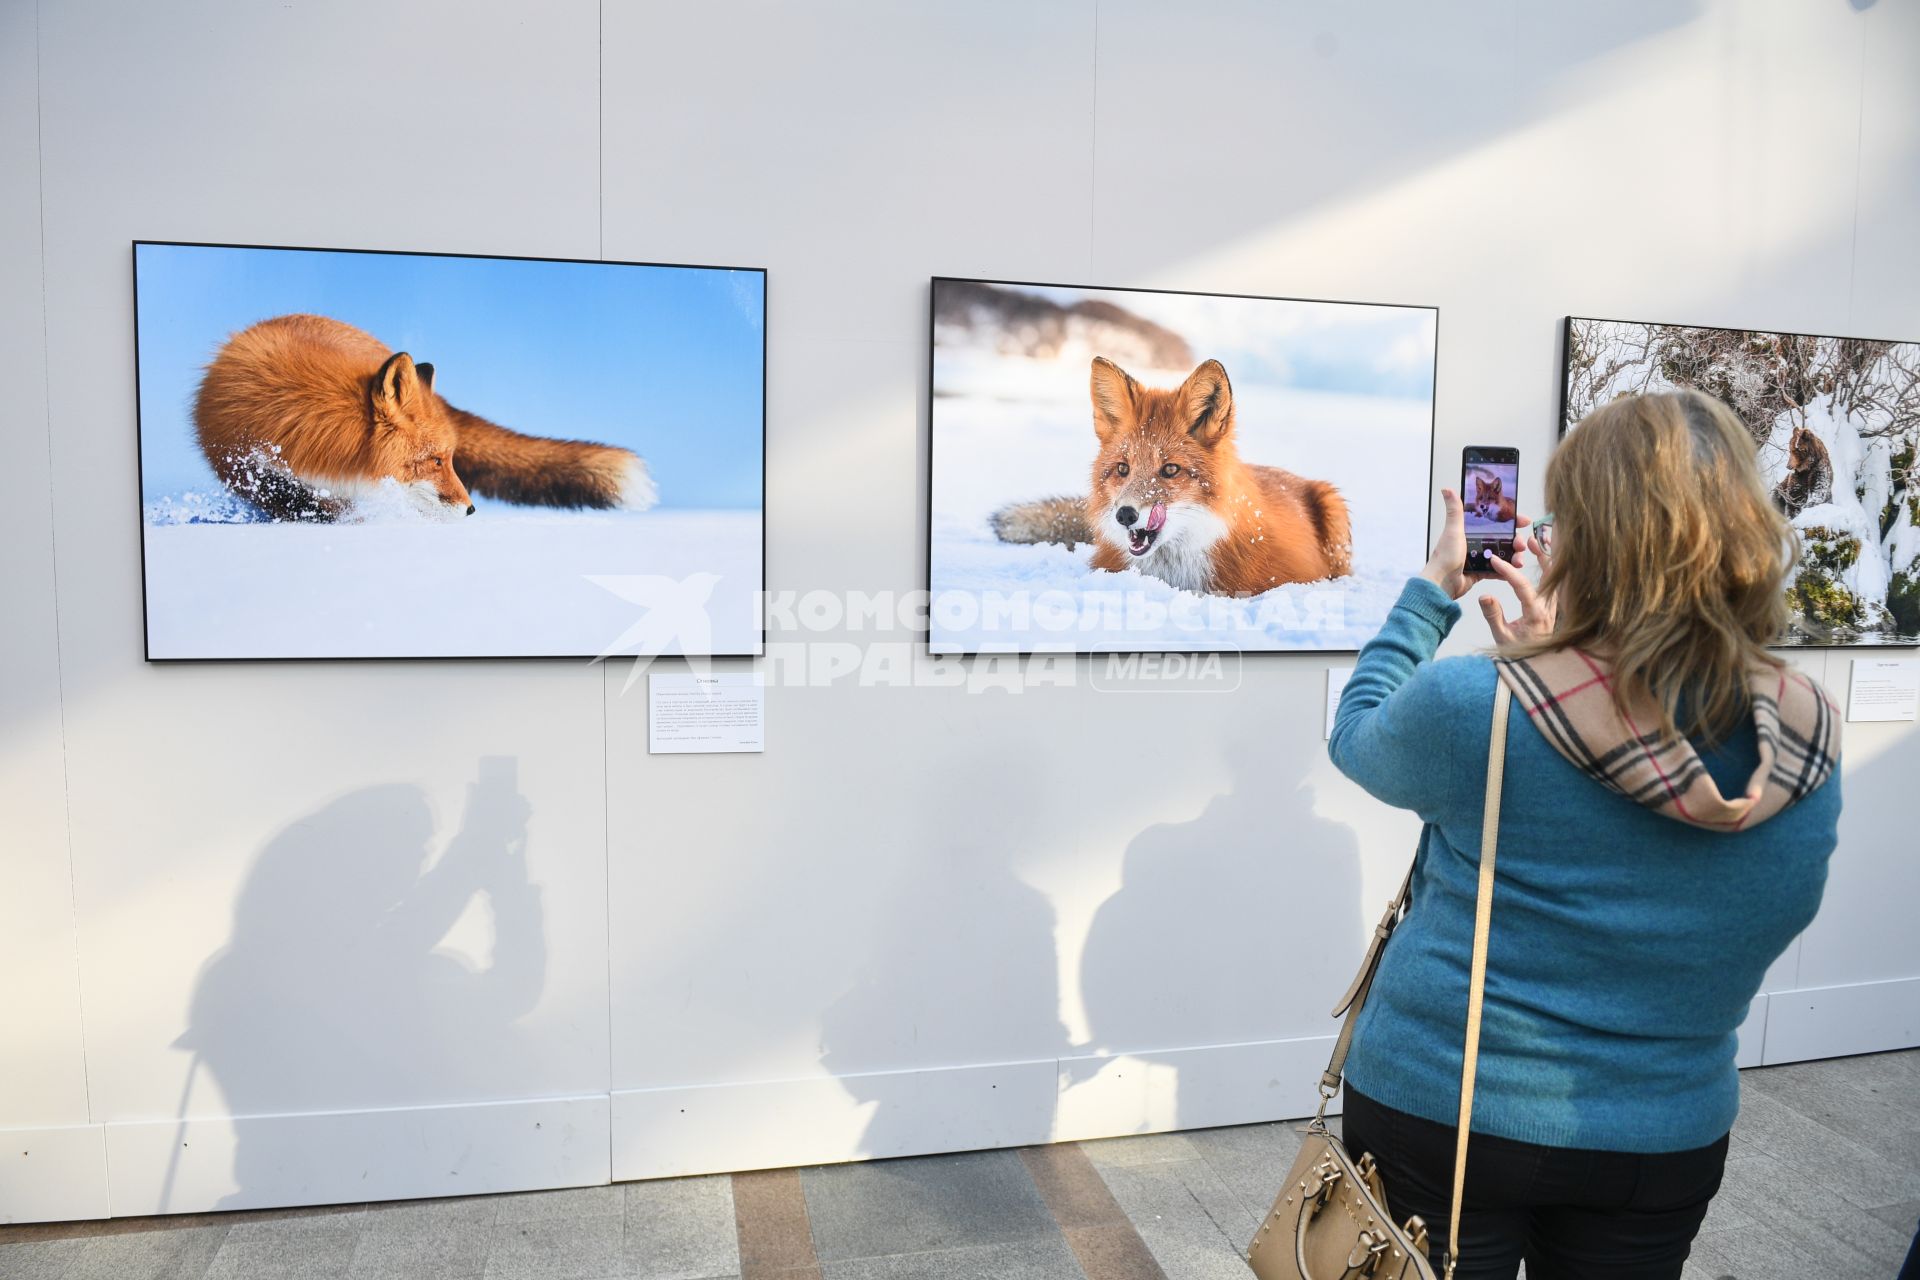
(1356, 994)
(1477, 980)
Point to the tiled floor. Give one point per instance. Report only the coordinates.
(1824, 1181)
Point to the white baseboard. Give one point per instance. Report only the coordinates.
(1753, 1035)
(54, 1174)
(673, 1132)
(1834, 1022)
(1201, 1088)
(161, 1166)
(338, 1157)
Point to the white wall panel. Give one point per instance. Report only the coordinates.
(277, 913)
(1863, 932)
(60, 1172)
(1885, 292)
(853, 149)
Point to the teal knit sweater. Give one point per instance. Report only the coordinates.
(1626, 946)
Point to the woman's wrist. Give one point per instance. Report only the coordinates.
(1429, 600)
(1446, 577)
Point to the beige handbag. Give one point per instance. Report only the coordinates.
(1331, 1221)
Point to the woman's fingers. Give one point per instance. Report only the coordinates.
(1446, 566)
(1522, 586)
(1496, 621)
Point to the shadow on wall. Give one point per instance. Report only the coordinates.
(1241, 925)
(963, 970)
(333, 992)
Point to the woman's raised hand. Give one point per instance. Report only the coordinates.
(1537, 612)
(1446, 568)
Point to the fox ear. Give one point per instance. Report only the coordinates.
(1206, 403)
(1116, 397)
(397, 387)
(425, 371)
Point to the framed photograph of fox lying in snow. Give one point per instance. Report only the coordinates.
(360, 454)
(1138, 470)
(1837, 423)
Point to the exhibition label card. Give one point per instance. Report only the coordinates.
(689, 713)
(1883, 689)
(1336, 685)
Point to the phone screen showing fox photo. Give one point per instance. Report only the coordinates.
(1489, 486)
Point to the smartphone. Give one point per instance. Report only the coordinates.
(1489, 488)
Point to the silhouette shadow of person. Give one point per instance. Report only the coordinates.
(1238, 926)
(336, 991)
(974, 980)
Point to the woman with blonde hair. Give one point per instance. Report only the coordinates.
(1670, 803)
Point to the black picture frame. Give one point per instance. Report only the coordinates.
(134, 247)
(1797, 641)
(932, 304)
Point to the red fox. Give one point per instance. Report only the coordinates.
(1171, 497)
(300, 414)
(1489, 503)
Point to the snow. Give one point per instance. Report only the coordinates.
(505, 582)
(1010, 430)
(1862, 478)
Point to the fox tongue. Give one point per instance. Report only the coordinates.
(1157, 518)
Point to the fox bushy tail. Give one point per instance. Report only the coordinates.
(535, 471)
(1328, 512)
(1060, 519)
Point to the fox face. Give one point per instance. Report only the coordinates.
(1153, 478)
(1486, 495)
(414, 437)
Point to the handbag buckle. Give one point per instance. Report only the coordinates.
(1364, 1257)
(1329, 1174)
(1328, 1092)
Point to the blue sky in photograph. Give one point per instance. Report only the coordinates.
(665, 361)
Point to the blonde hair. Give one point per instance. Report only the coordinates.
(1670, 558)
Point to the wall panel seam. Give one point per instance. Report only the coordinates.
(53, 551)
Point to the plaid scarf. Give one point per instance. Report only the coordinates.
(1569, 697)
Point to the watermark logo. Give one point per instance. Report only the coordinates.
(1215, 671)
(1115, 639)
(675, 618)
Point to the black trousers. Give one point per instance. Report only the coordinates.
(1571, 1214)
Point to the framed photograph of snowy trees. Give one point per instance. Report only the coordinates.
(1836, 421)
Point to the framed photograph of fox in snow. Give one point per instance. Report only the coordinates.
(1837, 423)
(1141, 470)
(369, 454)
